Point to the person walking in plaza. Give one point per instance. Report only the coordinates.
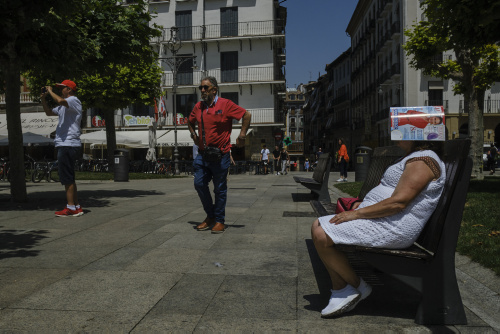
(306, 165)
(214, 116)
(318, 154)
(491, 157)
(342, 159)
(276, 161)
(264, 157)
(67, 141)
(285, 160)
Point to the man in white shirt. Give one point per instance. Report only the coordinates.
(264, 157)
(67, 141)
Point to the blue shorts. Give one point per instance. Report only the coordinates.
(66, 158)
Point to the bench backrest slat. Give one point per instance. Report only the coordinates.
(455, 158)
(321, 168)
(381, 158)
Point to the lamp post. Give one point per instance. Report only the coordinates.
(174, 44)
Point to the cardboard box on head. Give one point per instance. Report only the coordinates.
(417, 123)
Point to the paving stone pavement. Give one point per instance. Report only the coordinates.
(134, 263)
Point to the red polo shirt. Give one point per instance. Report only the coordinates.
(218, 122)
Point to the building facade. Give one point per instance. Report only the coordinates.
(294, 125)
(239, 42)
(379, 78)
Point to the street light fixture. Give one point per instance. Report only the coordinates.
(174, 44)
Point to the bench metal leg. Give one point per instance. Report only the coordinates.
(441, 303)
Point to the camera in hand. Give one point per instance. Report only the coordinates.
(44, 90)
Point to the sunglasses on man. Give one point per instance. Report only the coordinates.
(204, 87)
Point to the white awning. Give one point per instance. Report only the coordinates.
(99, 137)
(34, 122)
(142, 136)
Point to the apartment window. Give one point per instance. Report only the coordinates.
(435, 93)
(184, 103)
(185, 73)
(291, 97)
(229, 21)
(233, 96)
(139, 109)
(229, 66)
(184, 21)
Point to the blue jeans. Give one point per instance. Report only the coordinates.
(204, 172)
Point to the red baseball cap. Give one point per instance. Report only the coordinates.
(67, 83)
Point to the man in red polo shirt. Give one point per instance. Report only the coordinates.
(214, 116)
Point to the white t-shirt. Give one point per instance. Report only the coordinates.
(69, 127)
(265, 154)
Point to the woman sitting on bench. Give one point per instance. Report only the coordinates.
(392, 215)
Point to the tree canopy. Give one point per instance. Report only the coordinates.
(474, 69)
(73, 39)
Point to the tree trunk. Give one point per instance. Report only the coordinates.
(15, 132)
(476, 129)
(109, 118)
(473, 103)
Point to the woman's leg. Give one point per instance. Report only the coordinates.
(336, 263)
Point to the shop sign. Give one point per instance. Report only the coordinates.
(181, 120)
(138, 120)
(97, 121)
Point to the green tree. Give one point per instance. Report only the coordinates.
(116, 88)
(474, 70)
(57, 40)
(33, 35)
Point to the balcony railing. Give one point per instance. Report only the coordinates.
(242, 74)
(236, 29)
(443, 103)
(24, 98)
(490, 107)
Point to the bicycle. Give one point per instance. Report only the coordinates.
(45, 170)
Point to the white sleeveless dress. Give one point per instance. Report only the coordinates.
(397, 231)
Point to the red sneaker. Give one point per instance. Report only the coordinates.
(80, 211)
(67, 212)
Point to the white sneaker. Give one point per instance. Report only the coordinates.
(340, 180)
(340, 301)
(365, 290)
(345, 180)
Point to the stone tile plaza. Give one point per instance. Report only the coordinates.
(134, 263)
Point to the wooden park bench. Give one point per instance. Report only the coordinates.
(318, 184)
(429, 264)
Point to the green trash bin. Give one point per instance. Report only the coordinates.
(362, 163)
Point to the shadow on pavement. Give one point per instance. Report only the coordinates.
(18, 243)
(301, 197)
(52, 200)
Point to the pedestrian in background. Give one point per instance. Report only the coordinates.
(276, 161)
(285, 160)
(214, 116)
(306, 165)
(264, 157)
(343, 159)
(491, 156)
(67, 141)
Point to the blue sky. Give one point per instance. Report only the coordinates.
(315, 36)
